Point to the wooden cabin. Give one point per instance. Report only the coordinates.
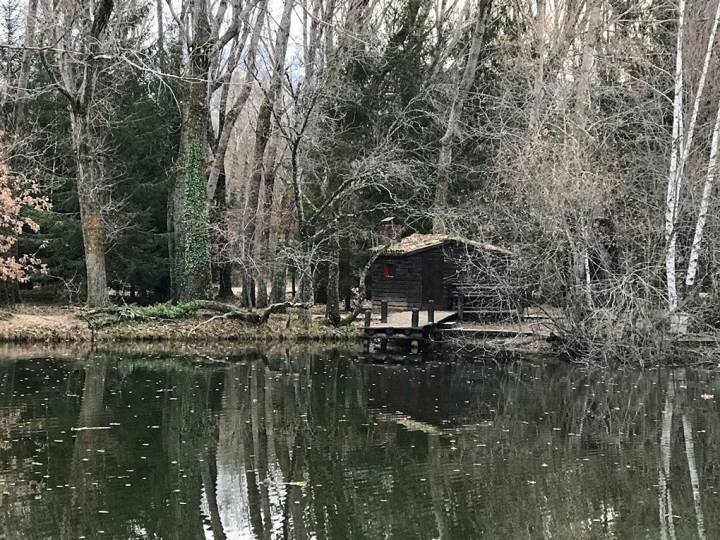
(438, 267)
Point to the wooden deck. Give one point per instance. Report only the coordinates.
(525, 328)
(401, 321)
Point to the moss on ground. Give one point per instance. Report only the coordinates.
(167, 311)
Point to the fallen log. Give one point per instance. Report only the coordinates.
(255, 317)
(100, 318)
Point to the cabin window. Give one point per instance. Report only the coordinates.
(389, 271)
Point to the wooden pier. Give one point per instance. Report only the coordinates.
(411, 325)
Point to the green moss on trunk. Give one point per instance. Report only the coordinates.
(196, 274)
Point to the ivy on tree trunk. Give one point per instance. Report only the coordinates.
(196, 278)
(191, 258)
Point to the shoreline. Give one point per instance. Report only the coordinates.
(28, 324)
(64, 327)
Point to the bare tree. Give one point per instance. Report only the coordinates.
(230, 110)
(682, 146)
(262, 137)
(77, 38)
(460, 94)
(228, 114)
(191, 245)
(25, 64)
(210, 65)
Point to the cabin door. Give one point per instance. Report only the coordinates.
(432, 281)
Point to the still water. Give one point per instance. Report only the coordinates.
(323, 443)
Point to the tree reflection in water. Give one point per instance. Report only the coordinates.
(303, 443)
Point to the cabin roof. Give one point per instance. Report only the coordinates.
(420, 242)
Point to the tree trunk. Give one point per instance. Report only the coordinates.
(225, 286)
(263, 254)
(262, 295)
(332, 305)
(277, 235)
(248, 290)
(539, 76)
(667, 526)
(90, 200)
(704, 205)
(191, 259)
(582, 94)
(456, 109)
(78, 87)
(209, 476)
(694, 476)
(224, 267)
(329, 29)
(305, 289)
(673, 180)
(276, 255)
(88, 493)
(259, 244)
(278, 290)
(24, 75)
(160, 31)
(170, 227)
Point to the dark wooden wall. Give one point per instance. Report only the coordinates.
(405, 290)
(434, 282)
(402, 292)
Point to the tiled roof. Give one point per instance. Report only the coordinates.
(418, 242)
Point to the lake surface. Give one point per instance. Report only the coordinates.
(323, 443)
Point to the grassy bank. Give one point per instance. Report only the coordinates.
(54, 324)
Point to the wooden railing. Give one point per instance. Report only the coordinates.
(480, 300)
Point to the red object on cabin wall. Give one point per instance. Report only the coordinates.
(389, 270)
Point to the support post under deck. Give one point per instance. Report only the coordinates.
(415, 318)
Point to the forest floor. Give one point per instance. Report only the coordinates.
(62, 324)
(42, 323)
